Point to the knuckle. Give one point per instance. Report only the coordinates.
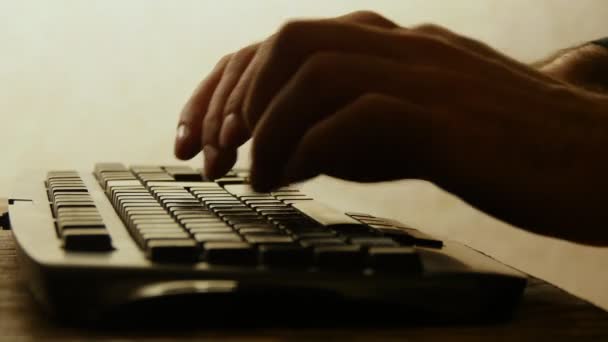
(430, 28)
(290, 32)
(371, 17)
(365, 15)
(245, 52)
(314, 71)
(225, 59)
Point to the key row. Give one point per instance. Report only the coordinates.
(78, 222)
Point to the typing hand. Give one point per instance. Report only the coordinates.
(213, 119)
(360, 98)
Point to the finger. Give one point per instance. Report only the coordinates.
(188, 141)
(217, 162)
(232, 73)
(236, 133)
(221, 161)
(359, 141)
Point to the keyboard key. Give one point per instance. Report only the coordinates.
(234, 253)
(284, 255)
(373, 241)
(316, 235)
(97, 239)
(269, 239)
(396, 259)
(339, 257)
(230, 180)
(210, 220)
(253, 225)
(254, 231)
(211, 230)
(319, 242)
(173, 235)
(206, 225)
(185, 174)
(170, 225)
(178, 250)
(217, 237)
(104, 167)
(253, 202)
(79, 224)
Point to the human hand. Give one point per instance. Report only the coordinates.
(367, 100)
(212, 119)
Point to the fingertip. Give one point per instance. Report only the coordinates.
(185, 147)
(218, 161)
(232, 133)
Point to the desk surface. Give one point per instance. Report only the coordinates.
(546, 313)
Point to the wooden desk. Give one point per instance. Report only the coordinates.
(546, 314)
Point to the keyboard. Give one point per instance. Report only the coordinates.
(94, 244)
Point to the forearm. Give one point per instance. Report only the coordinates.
(548, 192)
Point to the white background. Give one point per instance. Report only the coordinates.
(87, 81)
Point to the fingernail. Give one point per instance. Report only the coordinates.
(210, 153)
(182, 131)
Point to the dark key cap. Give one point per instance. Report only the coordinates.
(253, 225)
(339, 257)
(253, 202)
(352, 229)
(206, 225)
(211, 230)
(210, 220)
(181, 216)
(373, 241)
(234, 253)
(284, 255)
(230, 180)
(96, 239)
(184, 174)
(258, 231)
(236, 215)
(235, 221)
(169, 225)
(179, 250)
(319, 242)
(396, 259)
(316, 235)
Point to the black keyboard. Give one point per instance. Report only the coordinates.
(170, 226)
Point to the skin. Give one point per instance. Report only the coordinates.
(351, 95)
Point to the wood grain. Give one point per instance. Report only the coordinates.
(546, 313)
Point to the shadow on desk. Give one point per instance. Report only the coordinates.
(545, 314)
